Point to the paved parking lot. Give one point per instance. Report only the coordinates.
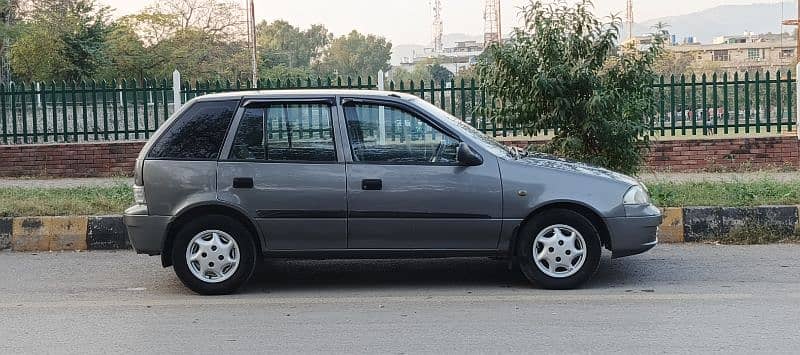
(678, 298)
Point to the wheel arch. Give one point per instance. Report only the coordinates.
(195, 211)
(586, 211)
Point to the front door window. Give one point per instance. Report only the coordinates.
(388, 135)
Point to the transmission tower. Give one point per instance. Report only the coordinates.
(438, 27)
(492, 32)
(629, 19)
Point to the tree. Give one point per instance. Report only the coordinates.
(200, 38)
(356, 55)
(9, 12)
(672, 63)
(126, 54)
(200, 55)
(214, 17)
(563, 70)
(281, 44)
(61, 40)
(439, 73)
(424, 70)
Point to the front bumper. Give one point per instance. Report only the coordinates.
(633, 235)
(145, 232)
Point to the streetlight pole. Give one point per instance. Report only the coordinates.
(251, 20)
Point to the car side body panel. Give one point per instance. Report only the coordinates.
(173, 185)
(297, 206)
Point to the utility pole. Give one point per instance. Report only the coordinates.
(630, 20)
(493, 28)
(438, 27)
(251, 26)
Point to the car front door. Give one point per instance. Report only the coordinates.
(283, 166)
(406, 189)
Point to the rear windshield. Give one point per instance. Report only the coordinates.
(197, 134)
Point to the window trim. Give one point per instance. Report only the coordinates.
(180, 114)
(268, 102)
(419, 114)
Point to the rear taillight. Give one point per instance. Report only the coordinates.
(138, 195)
(138, 177)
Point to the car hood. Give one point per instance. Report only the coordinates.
(550, 162)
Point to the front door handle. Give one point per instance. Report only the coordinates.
(372, 184)
(243, 183)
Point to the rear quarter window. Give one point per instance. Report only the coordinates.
(197, 134)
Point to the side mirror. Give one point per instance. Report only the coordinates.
(467, 156)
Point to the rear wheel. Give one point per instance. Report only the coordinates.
(559, 249)
(214, 255)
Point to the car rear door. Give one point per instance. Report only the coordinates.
(284, 167)
(406, 188)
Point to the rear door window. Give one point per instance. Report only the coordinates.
(285, 133)
(197, 134)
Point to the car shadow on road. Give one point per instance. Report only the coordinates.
(429, 274)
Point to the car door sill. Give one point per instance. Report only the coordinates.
(381, 253)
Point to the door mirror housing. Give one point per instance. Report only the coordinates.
(467, 156)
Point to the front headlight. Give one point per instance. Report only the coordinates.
(138, 195)
(636, 195)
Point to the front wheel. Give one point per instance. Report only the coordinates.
(214, 255)
(559, 249)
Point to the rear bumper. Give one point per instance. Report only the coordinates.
(145, 232)
(633, 235)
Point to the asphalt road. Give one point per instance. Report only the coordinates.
(675, 299)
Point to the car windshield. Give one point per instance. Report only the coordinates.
(485, 141)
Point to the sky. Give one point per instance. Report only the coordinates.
(408, 21)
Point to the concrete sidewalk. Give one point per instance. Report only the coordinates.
(64, 183)
(791, 176)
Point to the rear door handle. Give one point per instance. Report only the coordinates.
(372, 184)
(243, 183)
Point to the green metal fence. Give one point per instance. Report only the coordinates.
(725, 104)
(85, 111)
(126, 110)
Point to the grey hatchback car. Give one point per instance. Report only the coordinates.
(234, 178)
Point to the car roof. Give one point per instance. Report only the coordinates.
(305, 92)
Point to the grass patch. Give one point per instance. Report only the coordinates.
(80, 201)
(728, 194)
(93, 201)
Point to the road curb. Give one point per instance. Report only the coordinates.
(70, 233)
(681, 225)
(6, 225)
(714, 223)
(107, 233)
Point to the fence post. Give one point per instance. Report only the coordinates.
(381, 82)
(381, 112)
(38, 94)
(176, 89)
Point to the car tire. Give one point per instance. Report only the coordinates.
(214, 255)
(558, 249)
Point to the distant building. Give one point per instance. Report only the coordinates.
(456, 59)
(747, 52)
